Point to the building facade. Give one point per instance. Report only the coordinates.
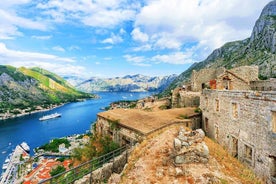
(244, 122)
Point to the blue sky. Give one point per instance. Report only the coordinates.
(108, 38)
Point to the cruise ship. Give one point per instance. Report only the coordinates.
(50, 116)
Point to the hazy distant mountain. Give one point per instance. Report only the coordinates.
(258, 50)
(127, 83)
(23, 88)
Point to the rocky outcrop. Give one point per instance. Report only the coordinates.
(263, 35)
(189, 147)
(128, 83)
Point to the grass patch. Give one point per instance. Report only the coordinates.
(232, 166)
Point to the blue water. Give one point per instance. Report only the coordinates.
(76, 118)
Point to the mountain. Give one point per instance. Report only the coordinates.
(127, 83)
(259, 49)
(25, 90)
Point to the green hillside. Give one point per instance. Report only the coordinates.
(25, 90)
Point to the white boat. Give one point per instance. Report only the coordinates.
(50, 116)
(5, 166)
(25, 146)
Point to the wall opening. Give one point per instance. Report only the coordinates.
(234, 147)
(206, 124)
(226, 83)
(273, 167)
(273, 114)
(248, 154)
(235, 112)
(217, 105)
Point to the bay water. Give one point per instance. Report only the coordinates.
(76, 118)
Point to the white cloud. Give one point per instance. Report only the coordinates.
(46, 37)
(139, 36)
(210, 24)
(10, 22)
(58, 48)
(61, 66)
(134, 59)
(113, 39)
(101, 14)
(174, 58)
(145, 47)
(8, 55)
(122, 31)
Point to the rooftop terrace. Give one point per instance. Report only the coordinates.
(146, 122)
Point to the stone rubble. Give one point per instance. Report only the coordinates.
(189, 147)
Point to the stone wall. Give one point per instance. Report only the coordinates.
(248, 73)
(119, 134)
(244, 122)
(204, 76)
(239, 77)
(230, 81)
(103, 173)
(263, 85)
(182, 98)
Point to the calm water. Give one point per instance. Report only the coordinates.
(76, 118)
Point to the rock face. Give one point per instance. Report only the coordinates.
(127, 83)
(259, 49)
(189, 147)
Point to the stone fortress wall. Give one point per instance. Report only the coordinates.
(244, 122)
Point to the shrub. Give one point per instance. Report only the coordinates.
(59, 169)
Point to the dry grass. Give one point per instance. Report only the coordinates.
(231, 165)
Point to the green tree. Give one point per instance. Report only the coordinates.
(57, 170)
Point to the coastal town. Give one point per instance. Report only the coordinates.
(21, 167)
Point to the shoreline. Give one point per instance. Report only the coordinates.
(11, 116)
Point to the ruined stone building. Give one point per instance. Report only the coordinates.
(244, 122)
(234, 79)
(128, 126)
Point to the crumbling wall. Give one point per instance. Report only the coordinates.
(119, 133)
(182, 98)
(189, 147)
(248, 73)
(242, 121)
(263, 85)
(204, 76)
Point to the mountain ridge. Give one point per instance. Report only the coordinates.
(259, 49)
(127, 83)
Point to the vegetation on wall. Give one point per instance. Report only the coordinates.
(98, 145)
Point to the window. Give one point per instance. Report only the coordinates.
(273, 166)
(273, 113)
(217, 105)
(248, 153)
(235, 113)
(234, 147)
(206, 124)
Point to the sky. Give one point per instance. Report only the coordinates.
(110, 38)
